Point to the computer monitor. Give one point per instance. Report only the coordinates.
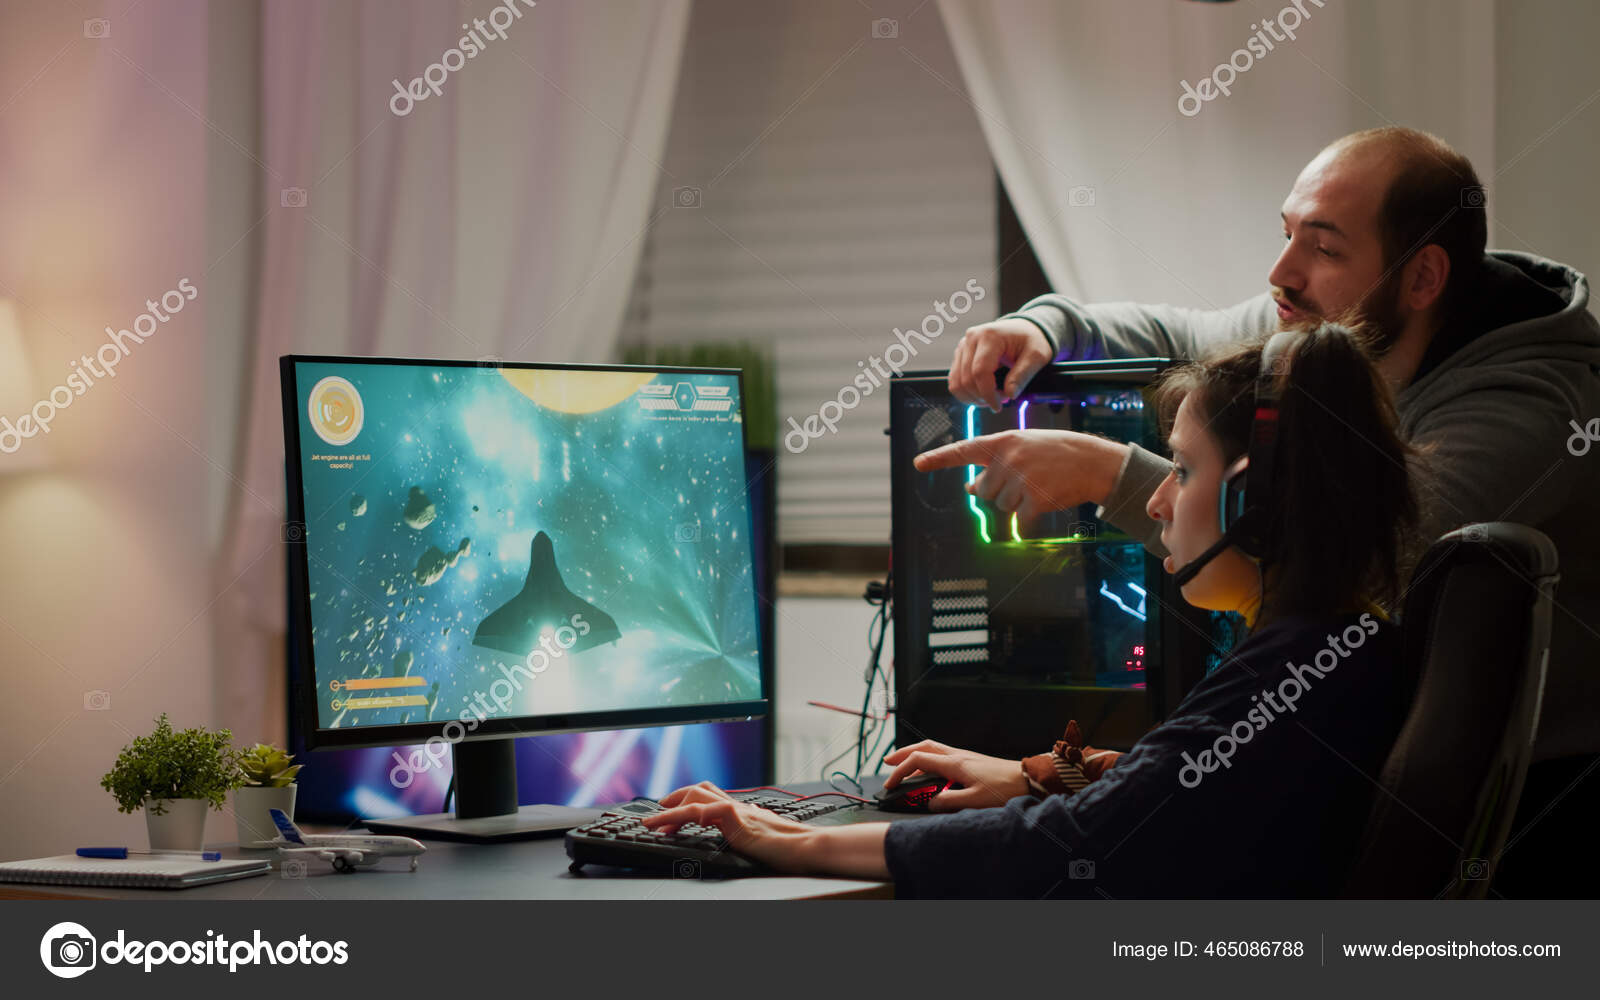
(483, 551)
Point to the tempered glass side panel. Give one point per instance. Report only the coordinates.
(1004, 630)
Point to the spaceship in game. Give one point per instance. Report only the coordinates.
(543, 603)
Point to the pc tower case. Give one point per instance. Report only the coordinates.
(1003, 631)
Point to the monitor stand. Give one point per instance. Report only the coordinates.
(486, 803)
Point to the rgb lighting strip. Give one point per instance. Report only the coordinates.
(972, 473)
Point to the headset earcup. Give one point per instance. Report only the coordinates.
(1231, 502)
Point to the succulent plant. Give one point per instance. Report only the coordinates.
(267, 766)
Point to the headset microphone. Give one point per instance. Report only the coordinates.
(1191, 569)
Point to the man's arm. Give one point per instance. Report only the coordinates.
(1068, 330)
(1080, 332)
(1125, 506)
(1054, 326)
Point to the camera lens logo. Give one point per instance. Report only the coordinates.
(686, 868)
(67, 950)
(336, 411)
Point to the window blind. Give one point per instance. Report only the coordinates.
(820, 188)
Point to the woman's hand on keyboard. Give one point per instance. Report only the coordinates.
(701, 791)
(986, 781)
(757, 833)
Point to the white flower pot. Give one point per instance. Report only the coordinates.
(250, 813)
(180, 827)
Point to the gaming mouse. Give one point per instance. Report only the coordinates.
(912, 794)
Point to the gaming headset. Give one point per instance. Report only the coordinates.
(1243, 514)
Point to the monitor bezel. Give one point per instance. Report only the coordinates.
(303, 669)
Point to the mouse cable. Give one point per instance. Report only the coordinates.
(846, 795)
(796, 796)
(873, 757)
(841, 774)
(875, 631)
(763, 788)
(878, 594)
(864, 735)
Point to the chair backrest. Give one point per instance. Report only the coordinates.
(1475, 630)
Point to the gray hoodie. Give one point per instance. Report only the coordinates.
(1493, 408)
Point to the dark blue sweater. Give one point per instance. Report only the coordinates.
(1282, 818)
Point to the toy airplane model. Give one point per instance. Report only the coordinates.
(346, 851)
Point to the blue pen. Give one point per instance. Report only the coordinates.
(123, 852)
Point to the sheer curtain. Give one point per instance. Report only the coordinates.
(499, 217)
(1125, 195)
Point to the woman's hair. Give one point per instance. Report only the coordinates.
(1343, 512)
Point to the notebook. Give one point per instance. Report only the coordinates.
(149, 871)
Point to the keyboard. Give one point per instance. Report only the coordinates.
(619, 839)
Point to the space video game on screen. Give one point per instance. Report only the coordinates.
(499, 542)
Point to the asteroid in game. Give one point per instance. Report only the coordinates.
(432, 563)
(419, 511)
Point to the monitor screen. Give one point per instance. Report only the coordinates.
(495, 549)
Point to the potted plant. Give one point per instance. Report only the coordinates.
(268, 784)
(173, 776)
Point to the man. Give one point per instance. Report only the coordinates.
(1493, 357)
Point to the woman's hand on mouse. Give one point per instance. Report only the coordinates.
(986, 781)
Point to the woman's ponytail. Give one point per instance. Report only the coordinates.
(1346, 511)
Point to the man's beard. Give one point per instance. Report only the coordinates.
(1377, 318)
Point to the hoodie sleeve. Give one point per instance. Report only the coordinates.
(1081, 332)
(1125, 507)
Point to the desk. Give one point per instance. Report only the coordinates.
(527, 869)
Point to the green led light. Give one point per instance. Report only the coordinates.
(1022, 425)
(983, 523)
(972, 473)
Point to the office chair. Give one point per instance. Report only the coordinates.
(1475, 634)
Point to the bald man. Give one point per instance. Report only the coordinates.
(1493, 357)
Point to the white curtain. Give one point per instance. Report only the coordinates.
(500, 217)
(1125, 196)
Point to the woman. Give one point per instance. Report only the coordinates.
(1260, 783)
